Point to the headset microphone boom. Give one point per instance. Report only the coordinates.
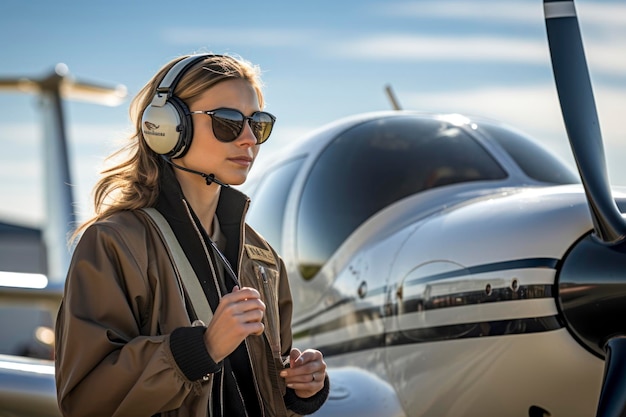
(592, 282)
(209, 178)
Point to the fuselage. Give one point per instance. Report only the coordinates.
(448, 294)
(458, 310)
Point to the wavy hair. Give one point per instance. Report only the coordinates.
(133, 183)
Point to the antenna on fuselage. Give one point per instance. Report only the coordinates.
(395, 104)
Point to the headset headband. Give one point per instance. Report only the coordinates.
(169, 82)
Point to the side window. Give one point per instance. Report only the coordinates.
(534, 160)
(267, 209)
(373, 165)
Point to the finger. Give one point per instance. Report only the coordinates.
(246, 292)
(251, 292)
(255, 328)
(244, 306)
(293, 357)
(303, 372)
(300, 381)
(251, 316)
(306, 387)
(302, 377)
(242, 295)
(309, 355)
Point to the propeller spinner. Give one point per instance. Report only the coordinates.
(592, 281)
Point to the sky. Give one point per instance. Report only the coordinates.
(321, 61)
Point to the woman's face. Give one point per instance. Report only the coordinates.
(230, 162)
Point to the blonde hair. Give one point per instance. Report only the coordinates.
(134, 182)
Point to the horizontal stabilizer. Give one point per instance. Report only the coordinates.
(68, 87)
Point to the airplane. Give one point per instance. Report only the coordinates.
(449, 265)
(33, 261)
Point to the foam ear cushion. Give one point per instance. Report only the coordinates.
(168, 129)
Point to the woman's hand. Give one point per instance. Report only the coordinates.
(238, 315)
(306, 372)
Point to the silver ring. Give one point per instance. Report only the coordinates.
(313, 375)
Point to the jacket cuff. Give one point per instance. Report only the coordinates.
(309, 405)
(189, 352)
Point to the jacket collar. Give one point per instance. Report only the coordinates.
(231, 209)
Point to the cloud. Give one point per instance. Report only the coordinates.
(235, 37)
(590, 13)
(516, 11)
(532, 107)
(602, 42)
(408, 47)
(602, 27)
(602, 55)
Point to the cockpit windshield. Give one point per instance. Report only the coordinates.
(374, 164)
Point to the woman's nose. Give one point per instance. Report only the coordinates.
(247, 135)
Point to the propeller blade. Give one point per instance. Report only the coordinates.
(613, 397)
(578, 107)
(581, 120)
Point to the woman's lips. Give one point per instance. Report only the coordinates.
(244, 161)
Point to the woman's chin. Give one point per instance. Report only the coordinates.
(235, 180)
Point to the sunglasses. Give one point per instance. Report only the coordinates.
(229, 123)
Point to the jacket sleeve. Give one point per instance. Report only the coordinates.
(105, 363)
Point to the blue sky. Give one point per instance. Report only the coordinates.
(321, 61)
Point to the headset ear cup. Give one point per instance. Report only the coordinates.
(168, 128)
(185, 128)
(166, 123)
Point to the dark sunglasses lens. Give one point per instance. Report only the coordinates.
(262, 124)
(227, 124)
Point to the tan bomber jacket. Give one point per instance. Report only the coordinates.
(122, 300)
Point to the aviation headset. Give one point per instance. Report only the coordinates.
(166, 123)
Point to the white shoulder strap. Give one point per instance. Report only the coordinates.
(183, 268)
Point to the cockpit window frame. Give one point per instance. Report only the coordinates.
(560, 172)
(272, 231)
(308, 272)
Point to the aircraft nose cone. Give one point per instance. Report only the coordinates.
(592, 292)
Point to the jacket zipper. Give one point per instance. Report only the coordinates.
(213, 272)
(273, 329)
(206, 250)
(219, 292)
(241, 243)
